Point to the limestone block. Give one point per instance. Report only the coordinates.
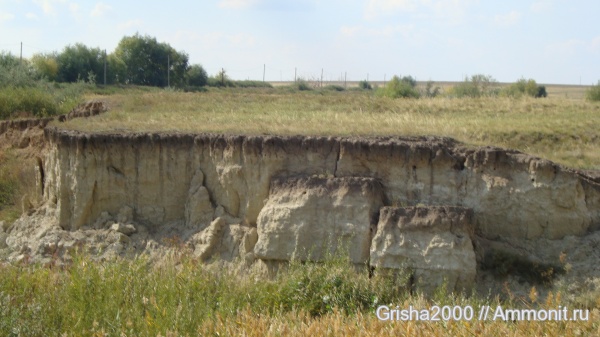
(223, 241)
(308, 217)
(434, 242)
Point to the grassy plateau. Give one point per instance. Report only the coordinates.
(557, 128)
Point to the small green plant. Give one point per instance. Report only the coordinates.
(397, 87)
(593, 93)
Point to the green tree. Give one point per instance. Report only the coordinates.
(78, 62)
(15, 72)
(397, 87)
(8, 60)
(116, 70)
(147, 60)
(45, 66)
(196, 76)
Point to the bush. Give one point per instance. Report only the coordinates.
(30, 100)
(333, 87)
(477, 86)
(593, 93)
(301, 84)
(397, 87)
(430, 90)
(252, 84)
(365, 85)
(524, 87)
(196, 76)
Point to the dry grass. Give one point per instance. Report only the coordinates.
(184, 298)
(560, 129)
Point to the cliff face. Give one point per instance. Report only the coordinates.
(512, 195)
(425, 204)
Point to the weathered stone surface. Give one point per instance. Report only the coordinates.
(434, 242)
(198, 208)
(307, 218)
(126, 229)
(224, 241)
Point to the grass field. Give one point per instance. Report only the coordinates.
(557, 128)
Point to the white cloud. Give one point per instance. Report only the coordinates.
(508, 19)
(379, 7)
(594, 44)
(238, 4)
(6, 16)
(100, 9)
(216, 39)
(130, 24)
(48, 6)
(387, 31)
(448, 10)
(75, 10)
(540, 6)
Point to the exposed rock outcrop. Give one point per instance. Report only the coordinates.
(309, 218)
(434, 242)
(274, 198)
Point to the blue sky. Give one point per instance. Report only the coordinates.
(551, 41)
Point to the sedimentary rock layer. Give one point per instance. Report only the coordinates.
(512, 195)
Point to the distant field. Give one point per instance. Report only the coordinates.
(561, 128)
(554, 90)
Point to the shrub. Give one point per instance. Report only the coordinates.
(430, 90)
(397, 87)
(524, 87)
(593, 93)
(301, 84)
(31, 100)
(196, 76)
(365, 85)
(476, 86)
(333, 87)
(252, 84)
(220, 80)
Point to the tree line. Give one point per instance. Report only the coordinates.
(137, 59)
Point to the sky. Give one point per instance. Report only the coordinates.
(551, 41)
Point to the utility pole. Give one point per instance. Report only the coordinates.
(222, 77)
(264, 71)
(345, 77)
(321, 78)
(168, 70)
(104, 67)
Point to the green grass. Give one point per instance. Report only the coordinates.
(179, 295)
(184, 297)
(560, 129)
